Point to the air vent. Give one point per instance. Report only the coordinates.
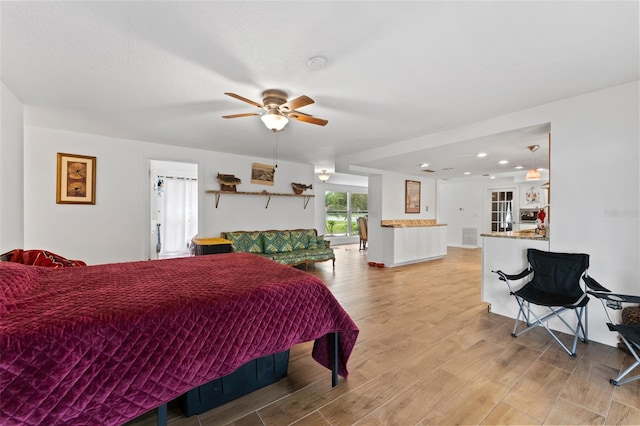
(429, 171)
(470, 237)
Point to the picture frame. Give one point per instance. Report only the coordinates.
(262, 174)
(76, 179)
(411, 196)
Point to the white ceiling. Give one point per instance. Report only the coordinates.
(157, 71)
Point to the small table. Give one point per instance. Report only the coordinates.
(212, 246)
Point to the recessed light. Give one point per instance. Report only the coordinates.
(424, 164)
(492, 177)
(503, 162)
(481, 154)
(519, 167)
(467, 173)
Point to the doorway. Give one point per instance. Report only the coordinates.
(501, 209)
(173, 208)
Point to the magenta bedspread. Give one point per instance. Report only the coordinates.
(100, 345)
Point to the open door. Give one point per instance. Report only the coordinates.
(173, 208)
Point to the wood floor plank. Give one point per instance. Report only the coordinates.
(620, 414)
(504, 414)
(566, 413)
(358, 403)
(589, 386)
(473, 403)
(416, 401)
(511, 364)
(470, 362)
(537, 390)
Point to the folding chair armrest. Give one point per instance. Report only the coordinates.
(594, 285)
(614, 300)
(508, 277)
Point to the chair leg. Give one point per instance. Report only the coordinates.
(541, 322)
(619, 380)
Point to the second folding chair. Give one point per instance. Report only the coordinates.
(629, 333)
(551, 288)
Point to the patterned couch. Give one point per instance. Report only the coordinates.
(291, 247)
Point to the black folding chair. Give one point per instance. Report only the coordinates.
(552, 281)
(629, 333)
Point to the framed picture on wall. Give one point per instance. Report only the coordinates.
(411, 196)
(76, 179)
(262, 174)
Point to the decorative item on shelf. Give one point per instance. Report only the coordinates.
(324, 176)
(533, 173)
(228, 182)
(262, 174)
(299, 188)
(532, 195)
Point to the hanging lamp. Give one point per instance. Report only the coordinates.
(533, 173)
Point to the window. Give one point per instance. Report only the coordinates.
(342, 210)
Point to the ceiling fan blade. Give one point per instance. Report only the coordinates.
(296, 103)
(246, 114)
(308, 119)
(240, 98)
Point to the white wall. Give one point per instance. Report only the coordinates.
(117, 227)
(393, 193)
(11, 171)
(460, 205)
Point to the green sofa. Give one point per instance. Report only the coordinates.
(290, 247)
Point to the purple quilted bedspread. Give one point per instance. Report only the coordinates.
(100, 345)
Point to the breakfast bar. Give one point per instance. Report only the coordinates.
(506, 251)
(412, 240)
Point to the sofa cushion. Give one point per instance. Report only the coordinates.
(250, 242)
(277, 242)
(317, 243)
(300, 239)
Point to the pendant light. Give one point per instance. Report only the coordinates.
(533, 173)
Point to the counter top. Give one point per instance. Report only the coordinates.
(528, 234)
(409, 223)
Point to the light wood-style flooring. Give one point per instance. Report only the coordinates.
(430, 353)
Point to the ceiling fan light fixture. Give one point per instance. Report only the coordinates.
(274, 120)
(324, 176)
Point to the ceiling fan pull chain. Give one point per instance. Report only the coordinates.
(275, 154)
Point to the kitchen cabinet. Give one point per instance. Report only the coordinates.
(413, 244)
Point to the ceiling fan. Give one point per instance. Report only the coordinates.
(278, 109)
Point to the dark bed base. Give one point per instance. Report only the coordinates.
(251, 376)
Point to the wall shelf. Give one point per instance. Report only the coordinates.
(218, 193)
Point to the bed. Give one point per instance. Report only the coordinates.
(104, 344)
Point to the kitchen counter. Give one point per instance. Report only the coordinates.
(527, 234)
(409, 223)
